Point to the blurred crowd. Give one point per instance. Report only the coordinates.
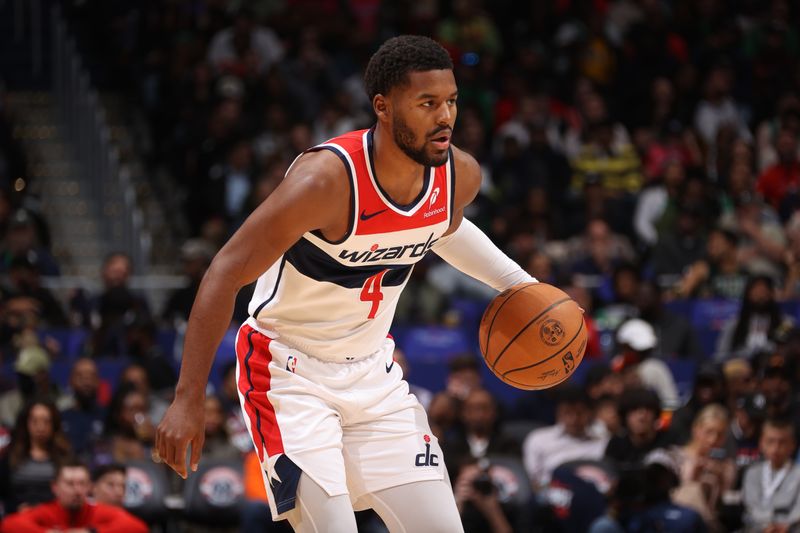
(641, 154)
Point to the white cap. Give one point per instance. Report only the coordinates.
(637, 334)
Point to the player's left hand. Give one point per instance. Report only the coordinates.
(182, 425)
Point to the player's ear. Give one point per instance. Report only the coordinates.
(381, 107)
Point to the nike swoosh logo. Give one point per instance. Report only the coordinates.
(389, 367)
(365, 216)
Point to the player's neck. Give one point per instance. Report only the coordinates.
(397, 174)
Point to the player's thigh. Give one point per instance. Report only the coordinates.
(421, 506)
(394, 447)
(316, 512)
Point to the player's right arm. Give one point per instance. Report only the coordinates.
(313, 195)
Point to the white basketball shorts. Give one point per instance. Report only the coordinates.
(352, 427)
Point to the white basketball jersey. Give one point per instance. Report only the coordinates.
(336, 300)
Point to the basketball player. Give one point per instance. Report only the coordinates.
(332, 248)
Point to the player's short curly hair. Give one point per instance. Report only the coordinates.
(390, 65)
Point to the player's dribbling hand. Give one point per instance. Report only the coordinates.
(183, 424)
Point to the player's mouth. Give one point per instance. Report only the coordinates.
(441, 141)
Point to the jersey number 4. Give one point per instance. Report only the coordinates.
(371, 292)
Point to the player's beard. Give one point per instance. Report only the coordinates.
(406, 140)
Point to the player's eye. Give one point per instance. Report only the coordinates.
(429, 103)
(451, 101)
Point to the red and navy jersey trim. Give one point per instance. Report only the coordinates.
(451, 162)
(274, 289)
(353, 191)
(314, 263)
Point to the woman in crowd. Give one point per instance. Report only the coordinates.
(37, 446)
(706, 471)
(128, 430)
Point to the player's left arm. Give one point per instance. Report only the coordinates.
(465, 246)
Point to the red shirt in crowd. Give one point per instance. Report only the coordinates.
(48, 516)
(778, 181)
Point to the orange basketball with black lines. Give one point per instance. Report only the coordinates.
(532, 336)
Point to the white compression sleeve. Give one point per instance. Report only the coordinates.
(469, 250)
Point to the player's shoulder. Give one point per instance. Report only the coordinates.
(320, 172)
(465, 164)
(468, 175)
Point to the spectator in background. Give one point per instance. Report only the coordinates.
(24, 279)
(779, 183)
(572, 437)
(478, 503)
(22, 240)
(709, 388)
(743, 439)
(760, 320)
(624, 287)
(470, 30)
(107, 313)
(217, 444)
(480, 434)
(136, 375)
(141, 339)
(33, 381)
(20, 323)
(719, 275)
(762, 245)
(108, 484)
(676, 336)
(229, 185)
(71, 510)
(128, 430)
(771, 488)
(640, 502)
(196, 255)
(310, 74)
(594, 256)
(81, 413)
(37, 448)
(636, 341)
(601, 381)
(682, 247)
(640, 412)
(581, 295)
(776, 380)
(739, 380)
(607, 420)
(787, 117)
(463, 376)
(673, 146)
(658, 201)
(244, 49)
(706, 471)
(617, 168)
(443, 416)
(791, 259)
(718, 109)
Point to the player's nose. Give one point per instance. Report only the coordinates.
(445, 114)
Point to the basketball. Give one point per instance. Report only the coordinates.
(532, 336)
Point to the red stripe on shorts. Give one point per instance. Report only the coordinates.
(252, 350)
